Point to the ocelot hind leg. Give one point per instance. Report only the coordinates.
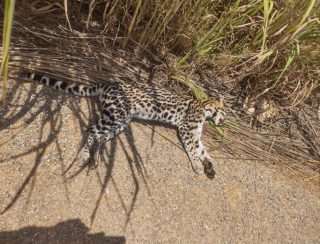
(106, 128)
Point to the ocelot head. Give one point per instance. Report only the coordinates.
(214, 110)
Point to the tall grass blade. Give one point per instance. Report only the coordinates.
(307, 13)
(7, 26)
(267, 7)
(289, 61)
(133, 23)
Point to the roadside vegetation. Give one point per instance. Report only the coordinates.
(275, 45)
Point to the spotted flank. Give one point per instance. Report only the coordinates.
(121, 103)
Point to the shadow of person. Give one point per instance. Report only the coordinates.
(71, 231)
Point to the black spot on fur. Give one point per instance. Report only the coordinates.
(76, 89)
(63, 85)
(112, 118)
(52, 82)
(37, 77)
(108, 123)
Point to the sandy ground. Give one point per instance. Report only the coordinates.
(143, 191)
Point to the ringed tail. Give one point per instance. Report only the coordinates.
(76, 89)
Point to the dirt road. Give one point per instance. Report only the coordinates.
(143, 191)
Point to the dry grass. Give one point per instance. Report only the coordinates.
(243, 49)
(275, 43)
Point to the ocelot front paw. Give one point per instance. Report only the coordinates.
(208, 169)
(197, 167)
